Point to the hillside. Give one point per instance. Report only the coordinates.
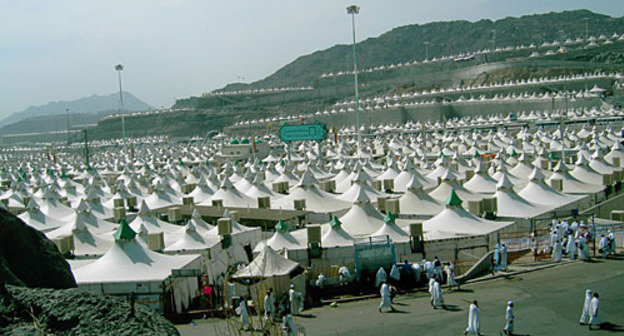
(91, 104)
(406, 43)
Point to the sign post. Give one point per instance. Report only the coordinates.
(305, 132)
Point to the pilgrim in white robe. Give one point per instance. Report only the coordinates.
(594, 312)
(380, 277)
(474, 320)
(385, 297)
(585, 313)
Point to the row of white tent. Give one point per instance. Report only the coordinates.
(486, 86)
(592, 41)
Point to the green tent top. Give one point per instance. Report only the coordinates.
(258, 141)
(63, 175)
(281, 226)
(453, 199)
(124, 232)
(389, 218)
(245, 141)
(234, 142)
(477, 154)
(552, 156)
(181, 163)
(334, 222)
(513, 152)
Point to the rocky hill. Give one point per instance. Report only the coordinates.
(91, 104)
(39, 299)
(406, 43)
(28, 258)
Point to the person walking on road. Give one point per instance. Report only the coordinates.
(385, 297)
(474, 319)
(436, 295)
(594, 312)
(509, 318)
(585, 313)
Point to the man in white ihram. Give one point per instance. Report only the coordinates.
(594, 312)
(436, 295)
(585, 313)
(474, 319)
(509, 318)
(380, 277)
(296, 306)
(385, 297)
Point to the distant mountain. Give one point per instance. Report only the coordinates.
(91, 104)
(407, 43)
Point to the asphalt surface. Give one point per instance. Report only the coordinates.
(547, 302)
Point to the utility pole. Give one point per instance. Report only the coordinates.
(355, 9)
(120, 67)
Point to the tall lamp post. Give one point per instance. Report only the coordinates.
(120, 67)
(355, 9)
(426, 43)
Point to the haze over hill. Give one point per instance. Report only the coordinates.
(406, 43)
(92, 104)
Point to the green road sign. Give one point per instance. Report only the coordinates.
(310, 132)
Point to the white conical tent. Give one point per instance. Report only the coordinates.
(570, 184)
(416, 201)
(200, 225)
(359, 185)
(192, 240)
(362, 219)
(201, 192)
(34, 218)
(86, 242)
(282, 239)
(149, 220)
(268, 263)
(335, 236)
(538, 192)
(584, 173)
(449, 184)
(128, 262)
(230, 196)
(392, 230)
(315, 199)
(454, 221)
(481, 182)
(509, 204)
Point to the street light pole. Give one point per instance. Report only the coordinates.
(355, 9)
(426, 43)
(120, 67)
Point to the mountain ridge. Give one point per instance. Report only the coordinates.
(406, 43)
(90, 104)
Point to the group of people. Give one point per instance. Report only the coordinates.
(500, 257)
(590, 315)
(293, 305)
(569, 239)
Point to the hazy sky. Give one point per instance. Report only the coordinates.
(66, 49)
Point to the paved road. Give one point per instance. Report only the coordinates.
(548, 302)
